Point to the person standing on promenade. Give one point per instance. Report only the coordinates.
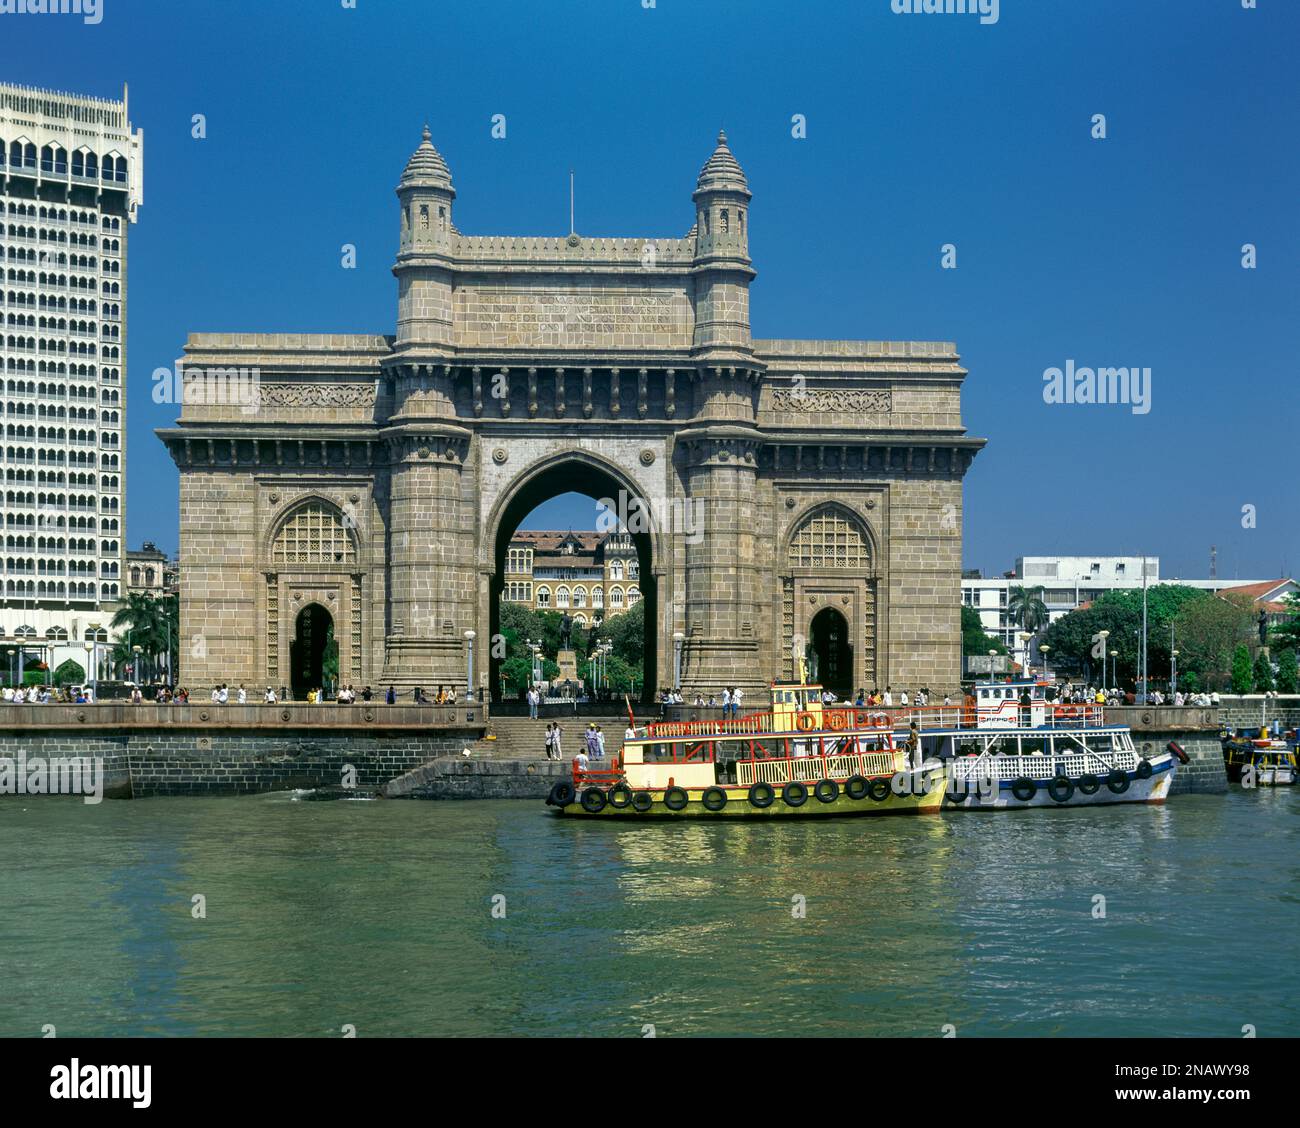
(532, 703)
(736, 694)
(243, 696)
(390, 698)
(600, 743)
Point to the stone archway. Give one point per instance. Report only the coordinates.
(310, 651)
(832, 645)
(572, 472)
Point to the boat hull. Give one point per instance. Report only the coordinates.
(1154, 789)
(906, 796)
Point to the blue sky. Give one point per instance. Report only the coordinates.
(922, 130)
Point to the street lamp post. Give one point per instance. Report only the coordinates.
(1103, 635)
(136, 651)
(469, 667)
(1043, 649)
(90, 651)
(992, 655)
(1173, 672)
(11, 652)
(678, 639)
(1025, 638)
(1114, 667)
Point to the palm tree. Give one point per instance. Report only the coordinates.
(144, 620)
(1025, 607)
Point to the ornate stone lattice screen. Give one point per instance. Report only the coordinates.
(313, 534)
(828, 540)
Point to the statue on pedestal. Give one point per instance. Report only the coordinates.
(566, 632)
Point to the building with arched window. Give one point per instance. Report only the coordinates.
(777, 499)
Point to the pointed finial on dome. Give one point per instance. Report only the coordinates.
(722, 172)
(426, 166)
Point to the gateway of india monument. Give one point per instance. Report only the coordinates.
(781, 494)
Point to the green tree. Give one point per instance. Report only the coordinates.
(1243, 676)
(1207, 631)
(1287, 633)
(1263, 673)
(974, 640)
(144, 621)
(1076, 637)
(69, 673)
(1288, 673)
(627, 633)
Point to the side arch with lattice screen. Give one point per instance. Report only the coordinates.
(314, 533)
(829, 538)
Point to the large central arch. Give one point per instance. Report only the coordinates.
(572, 472)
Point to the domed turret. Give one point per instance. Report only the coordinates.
(722, 207)
(722, 171)
(427, 168)
(426, 194)
(722, 265)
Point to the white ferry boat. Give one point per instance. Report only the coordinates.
(1009, 746)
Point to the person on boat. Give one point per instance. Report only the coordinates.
(629, 733)
(913, 746)
(580, 762)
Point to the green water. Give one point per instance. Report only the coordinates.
(379, 915)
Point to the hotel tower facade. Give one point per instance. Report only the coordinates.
(71, 184)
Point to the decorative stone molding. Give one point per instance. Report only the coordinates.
(317, 395)
(647, 457)
(849, 401)
(500, 455)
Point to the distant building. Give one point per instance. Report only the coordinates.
(589, 575)
(150, 572)
(1267, 596)
(1071, 582)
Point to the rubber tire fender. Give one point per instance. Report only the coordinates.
(1089, 784)
(1144, 769)
(1024, 789)
(879, 790)
(826, 791)
(675, 798)
(1117, 781)
(714, 799)
(856, 787)
(1057, 786)
(619, 796)
(794, 794)
(593, 800)
(642, 801)
(562, 794)
(762, 795)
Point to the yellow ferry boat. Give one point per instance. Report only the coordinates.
(799, 760)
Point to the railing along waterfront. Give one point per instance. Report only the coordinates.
(837, 718)
(1041, 765)
(294, 714)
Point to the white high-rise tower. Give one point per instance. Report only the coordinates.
(71, 183)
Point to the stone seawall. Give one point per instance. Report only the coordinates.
(228, 752)
(1196, 731)
(458, 778)
(1244, 711)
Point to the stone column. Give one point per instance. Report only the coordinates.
(431, 557)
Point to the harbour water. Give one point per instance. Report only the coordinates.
(492, 918)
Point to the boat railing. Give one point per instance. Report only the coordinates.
(1040, 765)
(838, 718)
(810, 769)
